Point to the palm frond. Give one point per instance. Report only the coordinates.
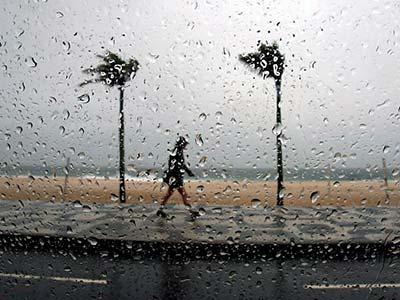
(89, 81)
(113, 70)
(267, 61)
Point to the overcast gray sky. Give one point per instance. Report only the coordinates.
(340, 89)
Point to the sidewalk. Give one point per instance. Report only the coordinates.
(218, 225)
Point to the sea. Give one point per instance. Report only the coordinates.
(235, 174)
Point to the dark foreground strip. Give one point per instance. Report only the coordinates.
(90, 246)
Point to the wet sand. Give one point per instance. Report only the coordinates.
(339, 193)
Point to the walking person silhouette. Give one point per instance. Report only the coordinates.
(174, 176)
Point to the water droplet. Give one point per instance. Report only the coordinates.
(139, 122)
(226, 52)
(199, 140)
(277, 129)
(202, 117)
(67, 269)
(81, 155)
(275, 69)
(66, 114)
(284, 140)
(200, 188)
(77, 204)
(232, 274)
(84, 98)
(202, 161)
(396, 172)
(282, 193)
(131, 168)
(152, 57)
(30, 62)
(92, 241)
(255, 203)
(65, 170)
(217, 210)
(18, 129)
(86, 208)
(59, 14)
(218, 125)
(314, 196)
(19, 32)
(386, 149)
(143, 96)
(114, 197)
(202, 211)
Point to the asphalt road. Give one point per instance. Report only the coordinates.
(59, 275)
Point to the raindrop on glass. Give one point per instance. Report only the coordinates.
(66, 114)
(30, 62)
(314, 196)
(92, 241)
(84, 98)
(77, 204)
(255, 203)
(202, 117)
(202, 161)
(386, 149)
(200, 188)
(277, 129)
(218, 115)
(199, 140)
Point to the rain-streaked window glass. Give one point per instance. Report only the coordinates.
(188, 143)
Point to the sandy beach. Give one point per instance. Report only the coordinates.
(305, 193)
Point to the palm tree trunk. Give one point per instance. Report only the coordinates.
(279, 193)
(121, 146)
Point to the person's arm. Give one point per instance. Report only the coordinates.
(188, 171)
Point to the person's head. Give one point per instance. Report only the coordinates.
(181, 143)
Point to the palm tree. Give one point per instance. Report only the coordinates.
(268, 61)
(114, 71)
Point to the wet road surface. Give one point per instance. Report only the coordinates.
(63, 275)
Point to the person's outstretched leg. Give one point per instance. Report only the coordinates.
(160, 211)
(166, 197)
(184, 195)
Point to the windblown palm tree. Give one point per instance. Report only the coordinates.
(114, 71)
(268, 62)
